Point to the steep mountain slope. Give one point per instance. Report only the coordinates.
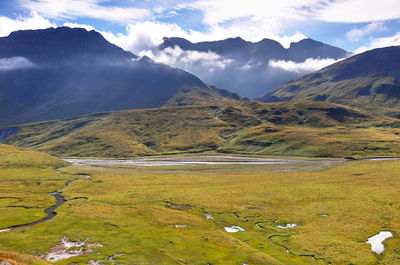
(63, 72)
(369, 80)
(243, 66)
(288, 128)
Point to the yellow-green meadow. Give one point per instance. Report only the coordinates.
(179, 214)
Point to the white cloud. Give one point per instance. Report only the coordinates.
(76, 25)
(34, 21)
(308, 66)
(380, 43)
(356, 34)
(142, 36)
(190, 61)
(286, 40)
(70, 9)
(219, 11)
(358, 11)
(15, 63)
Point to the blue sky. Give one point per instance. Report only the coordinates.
(355, 25)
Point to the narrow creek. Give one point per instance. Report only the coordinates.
(49, 211)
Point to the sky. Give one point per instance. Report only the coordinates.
(139, 25)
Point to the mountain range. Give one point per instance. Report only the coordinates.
(370, 80)
(248, 68)
(74, 86)
(63, 72)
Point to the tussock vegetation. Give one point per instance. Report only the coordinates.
(127, 211)
(14, 258)
(314, 129)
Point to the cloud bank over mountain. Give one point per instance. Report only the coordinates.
(248, 68)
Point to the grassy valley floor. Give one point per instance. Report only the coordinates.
(162, 215)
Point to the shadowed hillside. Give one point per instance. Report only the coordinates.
(369, 80)
(63, 72)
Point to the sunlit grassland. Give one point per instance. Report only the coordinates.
(26, 179)
(15, 157)
(312, 129)
(125, 210)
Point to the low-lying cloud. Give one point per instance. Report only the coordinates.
(15, 63)
(192, 61)
(308, 66)
(249, 78)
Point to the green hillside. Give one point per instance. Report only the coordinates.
(314, 129)
(11, 156)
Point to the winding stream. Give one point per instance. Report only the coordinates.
(49, 211)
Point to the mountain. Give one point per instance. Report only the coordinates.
(315, 129)
(63, 72)
(309, 48)
(60, 44)
(369, 80)
(242, 66)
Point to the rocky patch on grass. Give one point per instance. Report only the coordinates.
(67, 249)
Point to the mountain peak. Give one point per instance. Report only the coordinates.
(171, 42)
(47, 44)
(309, 48)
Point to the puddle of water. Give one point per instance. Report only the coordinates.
(67, 249)
(376, 241)
(234, 229)
(181, 226)
(291, 225)
(324, 215)
(208, 216)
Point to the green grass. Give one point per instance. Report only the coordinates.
(15, 157)
(312, 129)
(125, 210)
(26, 179)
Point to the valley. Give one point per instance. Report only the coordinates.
(297, 212)
(108, 157)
